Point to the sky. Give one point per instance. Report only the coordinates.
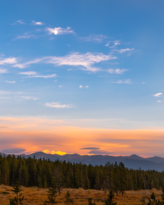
(82, 77)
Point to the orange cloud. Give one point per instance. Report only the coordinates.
(37, 134)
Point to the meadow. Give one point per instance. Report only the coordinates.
(36, 196)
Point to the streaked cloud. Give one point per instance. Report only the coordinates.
(159, 101)
(57, 105)
(112, 44)
(26, 64)
(95, 38)
(125, 50)
(33, 74)
(7, 81)
(90, 148)
(3, 71)
(81, 86)
(157, 94)
(117, 71)
(9, 60)
(100, 152)
(5, 92)
(37, 23)
(25, 36)
(13, 151)
(29, 98)
(60, 31)
(84, 61)
(18, 22)
(128, 81)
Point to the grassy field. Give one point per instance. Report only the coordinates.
(36, 196)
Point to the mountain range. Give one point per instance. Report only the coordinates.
(131, 162)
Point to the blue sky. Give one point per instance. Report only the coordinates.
(100, 61)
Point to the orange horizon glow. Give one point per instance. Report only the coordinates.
(52, 136)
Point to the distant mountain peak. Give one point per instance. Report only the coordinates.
(134, 156)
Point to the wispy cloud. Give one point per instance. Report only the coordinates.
(125, 50)
(57, 105)
(95, 38)
(81, 86)
(9, 60)
(60, 31)
(128, 81)
(13, 150)
(3, 71)
(157, 94)
(29, 98)
(37, 23)
(33, 74)
(90, 148)
(18, 22)
(25, 36)
(84, 61)
(99, 152)
(159, 101)
(4, 92)
(26, 64)
(112, 44)
(7, 81)
(117, 71)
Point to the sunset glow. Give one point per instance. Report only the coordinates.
(82, 77)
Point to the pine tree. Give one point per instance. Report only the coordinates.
(18, 199)
(122, 178)
(39, 182)
(58, 179)
(68, 199)
(116, 178)
(90, 202)
(44, 181)
(109, 201)
(52, 194)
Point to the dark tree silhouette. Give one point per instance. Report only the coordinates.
(18, 199)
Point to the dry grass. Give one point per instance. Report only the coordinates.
(36, 196)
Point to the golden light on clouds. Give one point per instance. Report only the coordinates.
(54, 152)
(54, 137)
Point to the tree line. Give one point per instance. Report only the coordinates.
(41, 173)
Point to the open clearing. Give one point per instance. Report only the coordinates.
(36, 196)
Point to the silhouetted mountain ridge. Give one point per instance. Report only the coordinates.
(132, 162)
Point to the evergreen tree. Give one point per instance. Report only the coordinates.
(68, 199)
(58, 179)
(18, 199)
(90, 202)
(52, 194)
(39, 182)
(122, 178)
(153, 200)
(109, 201)
(116, 178)
(44, 181)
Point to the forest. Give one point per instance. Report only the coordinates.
(41, 173)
